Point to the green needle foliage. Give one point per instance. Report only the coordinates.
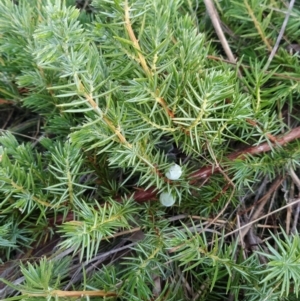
(122, 91)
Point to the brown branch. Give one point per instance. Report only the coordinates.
(144, 195)
(266, 146)
(204, 173)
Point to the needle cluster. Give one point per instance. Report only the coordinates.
(151, 154)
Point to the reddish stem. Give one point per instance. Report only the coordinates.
(142, 195)
(205, 172)
(266, 146)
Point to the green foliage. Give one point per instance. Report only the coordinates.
(94, 225)
(120, 92)
(283, 265)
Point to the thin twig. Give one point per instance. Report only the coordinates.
(294, 178)
(7, 119)
(297, 201)
(297, 209)
(261, 205)
(274, 50)
(215, 19)
(296, 217)
(242, 242)
(95, 261)
(70, 294)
